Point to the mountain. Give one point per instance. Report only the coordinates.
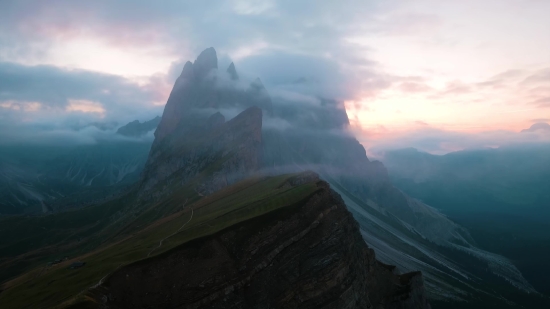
(286, 241)
(222, 152)
(402, 230)
(204, 199)
(193, 136)
(40, 179)
(137, 129)
(501, 196)
(308, 255)
(224, 207)
(541, 126)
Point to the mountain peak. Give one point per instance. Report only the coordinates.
(257, 83)
(187, 71)
(232, 71)
(136, 128)
(540, 126)
(206, 61)
(216, 120)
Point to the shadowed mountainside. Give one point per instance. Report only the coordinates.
(198, 155)
(237, 239)
(137, 129)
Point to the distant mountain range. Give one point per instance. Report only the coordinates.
(40, 179)
(501, 195)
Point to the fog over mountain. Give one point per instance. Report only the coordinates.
(219, 129)
(274, 154)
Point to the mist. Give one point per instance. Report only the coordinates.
(370, 154)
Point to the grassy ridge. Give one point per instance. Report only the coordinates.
(49, 287)
(29, 241)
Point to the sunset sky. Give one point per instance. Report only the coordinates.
(436, 75)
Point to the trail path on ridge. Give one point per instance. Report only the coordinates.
(160, 242)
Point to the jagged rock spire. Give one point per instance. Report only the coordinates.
(206, 61)
(258, 96)
(257, 84)
(187, 71)
(232, 71)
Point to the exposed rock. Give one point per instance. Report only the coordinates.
(215, 120)
(137, 129)
(205, 63)
(176, 104)
(307, 256)
(230, 151)
(258, 96)
(186, 136)
(232, 72)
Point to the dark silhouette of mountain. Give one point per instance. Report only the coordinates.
(540, 126)
(501, 195)
(137, 129)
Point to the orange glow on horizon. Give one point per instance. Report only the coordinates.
(85, 106)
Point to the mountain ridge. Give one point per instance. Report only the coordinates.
(196, 149)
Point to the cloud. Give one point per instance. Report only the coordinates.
(343, 50)
(47, 98)
(54, 87)
(412, 87)
(542, 102)
(542, 76)
(64, 136)
(441, 141)
(421, 123)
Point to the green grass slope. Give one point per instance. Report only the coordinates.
(59, 286)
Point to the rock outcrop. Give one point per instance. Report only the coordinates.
(218, 152)
(137, 129)
(307, 256)
(193, 138)
(232, 71)
(200, 87)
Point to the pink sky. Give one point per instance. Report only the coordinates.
(465, 67)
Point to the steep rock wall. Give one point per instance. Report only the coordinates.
(305, 256)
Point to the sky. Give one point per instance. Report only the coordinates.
(436, 75)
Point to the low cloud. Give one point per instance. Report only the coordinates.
(440, 141)
(51, 101)
(64, 136)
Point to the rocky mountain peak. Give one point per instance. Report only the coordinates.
(206, 61)
(137, 128)
(215, 120)
(260, 97)
(257, 84)
(540, 126)
(232, 71)
(187, 72)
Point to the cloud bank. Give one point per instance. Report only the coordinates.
(400, 66)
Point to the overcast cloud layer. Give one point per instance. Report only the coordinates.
(430, 74)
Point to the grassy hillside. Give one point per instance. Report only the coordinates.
(50, 286)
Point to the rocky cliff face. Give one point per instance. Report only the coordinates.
(193, 137)
(194, 143)
(308, 256)
(218, 152)
(137, 129)
(202, 87)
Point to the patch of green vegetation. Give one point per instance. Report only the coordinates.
(56, 285)
(30, 241)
